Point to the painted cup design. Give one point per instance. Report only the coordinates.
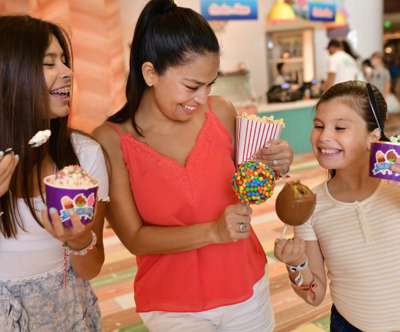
(385, 161)
(68, 199)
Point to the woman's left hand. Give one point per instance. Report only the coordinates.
(76, 237)
(278, 155)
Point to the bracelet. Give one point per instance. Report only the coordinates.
(83, 251)
(299, 280)
(299, 267)
(305, 288)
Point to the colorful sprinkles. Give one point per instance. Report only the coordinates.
(395, 139)
(261, 118)
(72, 176)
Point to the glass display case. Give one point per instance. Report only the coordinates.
(294, 50)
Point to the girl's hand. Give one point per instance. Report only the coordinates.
(278, 154)
(290, 252)
(234, 224)
(8, 163)
(76, 237)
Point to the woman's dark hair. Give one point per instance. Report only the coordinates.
(334, 43)
(349, 50)
(367, 63)
(165, 35)
(362, 97)
(25, 109)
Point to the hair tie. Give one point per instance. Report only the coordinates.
(164, 6)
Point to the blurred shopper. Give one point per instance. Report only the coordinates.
(346, 46)
(380, 77)
(367, 68)
(341, 66)
(393, 64)
(282, 77)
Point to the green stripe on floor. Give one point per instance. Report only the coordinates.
(114, 278)
(271, 256)
(134, 328)
(323, 323)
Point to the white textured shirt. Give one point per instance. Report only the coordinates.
(34, 251)
(360, 243)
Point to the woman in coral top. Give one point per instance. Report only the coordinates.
(172, 149)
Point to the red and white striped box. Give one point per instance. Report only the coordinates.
(253, 133)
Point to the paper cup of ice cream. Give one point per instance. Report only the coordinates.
(384, 160)
(72, 190)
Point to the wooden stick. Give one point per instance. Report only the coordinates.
(283, 234)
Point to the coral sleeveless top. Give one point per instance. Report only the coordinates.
(169, 194)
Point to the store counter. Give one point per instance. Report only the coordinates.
(298, 117)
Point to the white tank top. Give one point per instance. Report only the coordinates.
(34, 251)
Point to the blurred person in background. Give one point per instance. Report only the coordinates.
(282, 77)
(367, 68)
(346, 46)
(341, 66)
(380, 77)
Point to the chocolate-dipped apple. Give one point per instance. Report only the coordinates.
(295, 203)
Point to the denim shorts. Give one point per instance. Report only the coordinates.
(339, 323)
(44, 304)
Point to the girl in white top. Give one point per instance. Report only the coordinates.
(354, 230)
(42, 288)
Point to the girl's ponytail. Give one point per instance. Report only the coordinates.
(158, 7)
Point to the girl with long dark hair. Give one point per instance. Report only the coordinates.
(43, 266)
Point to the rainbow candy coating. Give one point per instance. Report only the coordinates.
(253, 182)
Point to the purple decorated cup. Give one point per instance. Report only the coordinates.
(384, 162)
(69, 200)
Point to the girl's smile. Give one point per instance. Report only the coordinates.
(339, 137)
(58, 79)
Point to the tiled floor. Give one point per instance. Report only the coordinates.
(114, 285)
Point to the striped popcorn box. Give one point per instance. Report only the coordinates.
(253, 133)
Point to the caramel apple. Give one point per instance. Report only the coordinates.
(295, 203)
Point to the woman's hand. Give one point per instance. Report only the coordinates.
(290, 252)
(76, 237)
(278, 154)
(234, 224)
(8, 163)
